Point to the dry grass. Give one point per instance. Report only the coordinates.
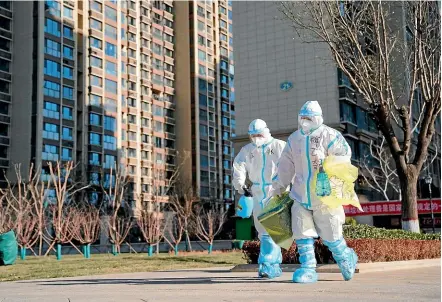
(75, 265)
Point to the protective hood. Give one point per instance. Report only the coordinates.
(259, 127)
(313, 111)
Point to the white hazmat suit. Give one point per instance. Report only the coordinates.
(305, 151)
(257, 161)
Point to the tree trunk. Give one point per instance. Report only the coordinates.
(410, 219)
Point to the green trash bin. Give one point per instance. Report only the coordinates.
(8, 248)
(276, 218)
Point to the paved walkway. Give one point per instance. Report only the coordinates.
(222, 285)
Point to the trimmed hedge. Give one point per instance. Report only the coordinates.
(370, 243)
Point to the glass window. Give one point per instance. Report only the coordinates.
(96, 43)
(95, 5)
(224, 52)
(111, 86)
(224, 79)
(52, 27)
(347, 112)
(68, 32)
(203, 115)
(67, 133)
(226, 121)
(212, 162)
(68, 73)
(95, 24)
(67, 113)
(201, 55)
(109, 161)
(111, 50)
(224, 65)
(66, 153)
(111, 68)
(68, 93)
(223, 23)
(222, 10)
(157, 110)
(225, 93)
(52, 68)
(223, 37)
(95, 100)
(230, 15)
(53, 7)
(203, 100)
(50, 131)
(94, 159)
(51, 110)
(110, 105)
(131, 152)
(110, 32)
(51, 89)
(110, 13)
(158, 126)
(94, 119)
(201, 40)
(204, 161)
(68, 52)
(203, 130)
(110, 123)
(94, 139)
(96, 81)
(96, 62)
(168, 23)
(52, 48)
(145, 122)
(211, 131)
(225, 135)
(110, 142)
(50, 152)
(201, 26)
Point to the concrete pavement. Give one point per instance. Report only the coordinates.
(222, 285)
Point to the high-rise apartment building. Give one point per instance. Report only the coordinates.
(205, 94)
(95, 84)
(6, 29)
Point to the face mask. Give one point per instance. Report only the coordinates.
(258, 141)
(306, 125)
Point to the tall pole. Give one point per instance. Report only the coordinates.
(431, 205)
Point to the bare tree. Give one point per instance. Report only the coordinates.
(120, 222)
(375, 43)
(6, 217)
(209, 223)
(174, 231)
(152, 225)
(182, 201)
(62, 181)
(87, 219)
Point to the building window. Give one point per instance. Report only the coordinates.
(110, 123)
(52, 68)
(226, 164)
(51, 89)
(96, 43)
(96, 6)
(96, 81)
(53, 7)
(347, 112)
(168, 23)
(52, 27)
(201, 40)
(68, 32)
(110, 13)
(94, 119)
(68, 52)
(52, 48)
(110, 31)
(224, 52)
(50, 152)
(97, 25)
(227, 179)
(51, 110)
(204, 161)
(145, 122)
(203, 130)
(109, 162)
(158, 126)
(96, 62)
(201, 69)
(68, 93)
(95, 100)
(227, 194)
(223, 23)
(95, 139)
(111, 86)
(224, 65)
(51, 131)
(158, 142)
(157, 49)
(201, 55)
(226, 150)
(67, 133)
(158, 111)
(131, 153)
(225, 107)
(225, 135)
(202, 100)
(66, 154)
(111, 50)
(111, 68)
(225, 93)
(94, 159)
(67, 113)
(110, 142)
(68, 73)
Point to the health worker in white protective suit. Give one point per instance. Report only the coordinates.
(258, 160)
(304, 153)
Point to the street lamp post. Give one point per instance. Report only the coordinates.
(429, 181)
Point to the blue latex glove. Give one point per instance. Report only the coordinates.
(245, 207)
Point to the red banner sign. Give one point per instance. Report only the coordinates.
(392, 208)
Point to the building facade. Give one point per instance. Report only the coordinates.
(95, 84)
(276, 74)
(205, 94)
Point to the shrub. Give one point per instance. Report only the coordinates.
(350, 221)
(370, 243)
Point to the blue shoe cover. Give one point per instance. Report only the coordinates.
(269, 271)
(344, 256)
(305, 275)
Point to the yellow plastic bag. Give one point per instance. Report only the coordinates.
(342, 176)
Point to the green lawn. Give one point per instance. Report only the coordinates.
(76, 265)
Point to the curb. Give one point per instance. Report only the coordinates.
(361, 267)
